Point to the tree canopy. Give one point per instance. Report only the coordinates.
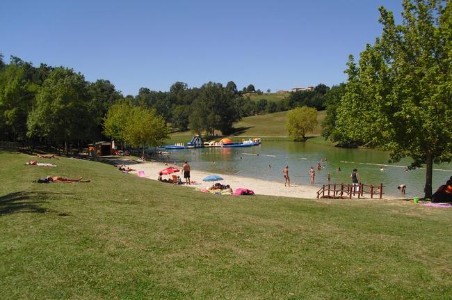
(300, 121)
(398, 96)
(135, 125)
(56, 106)
(60, 112)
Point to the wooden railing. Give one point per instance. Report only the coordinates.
(344, 191)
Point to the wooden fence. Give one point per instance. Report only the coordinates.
(345, 191)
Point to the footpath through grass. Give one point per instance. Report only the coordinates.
(125, 237)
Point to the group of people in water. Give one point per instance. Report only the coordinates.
(285, 172)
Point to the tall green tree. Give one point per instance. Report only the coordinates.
(215, 108)
(144, 128)
(17, 94)
(300, 121)
(137, 126)
(115, 120)
(332, 100)
(399, 96)
(2, 62)
(61, 113)
(102, 95)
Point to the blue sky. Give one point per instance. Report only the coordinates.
(277, 44)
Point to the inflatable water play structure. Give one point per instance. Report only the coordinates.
(197, 142)
(243, 143)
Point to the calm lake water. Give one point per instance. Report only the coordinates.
(267, 160)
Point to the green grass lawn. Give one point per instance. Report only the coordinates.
(268, 126)
(125, 237)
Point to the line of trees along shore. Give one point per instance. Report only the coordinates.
(57, 106)
(397, 97)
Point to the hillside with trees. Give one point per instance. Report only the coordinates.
(58, 107)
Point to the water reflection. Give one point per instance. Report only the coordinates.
(267, 161)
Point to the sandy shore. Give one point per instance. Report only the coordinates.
(260, 187)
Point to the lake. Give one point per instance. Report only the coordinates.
(267, 161)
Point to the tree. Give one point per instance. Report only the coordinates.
(2, 63)
(17, 94)
(250, 88)
(144, 128)
(61, 111)
(179, 117)
(231, 86)
(300, 121)
(312, 98)
(215, 108)
(135, 125)
(399, 96)
(103, 95)
(116, 117)
(332, 101)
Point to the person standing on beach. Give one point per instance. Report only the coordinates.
(355, 180)
(285, 172)
(186, 169)
(312, 175)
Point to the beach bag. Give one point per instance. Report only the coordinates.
(43, 180)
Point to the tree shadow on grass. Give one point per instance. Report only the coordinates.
(30, 202)
(240, 130)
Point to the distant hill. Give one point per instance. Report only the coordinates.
(271, 125)
(268, 125)
(272, 97)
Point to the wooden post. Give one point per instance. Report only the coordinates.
(334, 190)
(381, 190)
(371, 191)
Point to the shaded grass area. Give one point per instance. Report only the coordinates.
(122, 236)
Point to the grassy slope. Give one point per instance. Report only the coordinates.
(122, 236)
(271, 97)
(272, 125)
(266, 126)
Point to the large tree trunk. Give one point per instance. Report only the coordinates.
(428, 176)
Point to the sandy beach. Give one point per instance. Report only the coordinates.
(260, 187)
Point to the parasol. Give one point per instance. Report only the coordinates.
(169, 170)
(213, 178)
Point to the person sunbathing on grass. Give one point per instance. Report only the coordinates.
(57, 179)
(35, 163)
(125, 168)
(45, 155)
